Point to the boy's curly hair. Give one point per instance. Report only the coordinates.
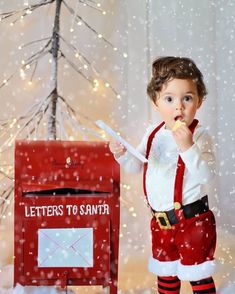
(166, 68)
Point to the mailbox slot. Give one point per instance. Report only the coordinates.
(64, 191)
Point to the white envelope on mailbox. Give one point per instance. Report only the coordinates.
(65, 247)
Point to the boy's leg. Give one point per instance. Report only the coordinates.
(204, 286)
(168, 285)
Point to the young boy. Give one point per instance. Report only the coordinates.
(180, 164)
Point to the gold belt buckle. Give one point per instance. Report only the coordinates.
(162, 217)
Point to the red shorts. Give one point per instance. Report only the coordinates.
(190, 242)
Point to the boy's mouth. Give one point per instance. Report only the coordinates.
(179, 117)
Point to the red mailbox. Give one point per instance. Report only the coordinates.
(67, 214)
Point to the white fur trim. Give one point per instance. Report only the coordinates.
(196, 272)
(163, 268)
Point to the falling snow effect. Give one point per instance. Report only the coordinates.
(204, 31)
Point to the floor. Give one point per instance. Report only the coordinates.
(134, 277)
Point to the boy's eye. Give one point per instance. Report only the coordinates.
(188, 98)
(169, 99)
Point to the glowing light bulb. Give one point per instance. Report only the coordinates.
(79, 23)
(118, 96)
(28, 11)
(22, 62)
(104, 12)
(98, 4)
(115, 48)
(107, 85)
(95, 89)
(85, 66)
(100, 36)
(27, 66)
(96, 82)
(30, 83)
(11, 24)
(77, 55)
(22, 74)
(19, 47)
(71, 30)
(50, 60)
(125, 55)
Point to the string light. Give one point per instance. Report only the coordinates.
(107, 85)
(13, 122)
(22, 74)
(96, 85)
(100, 36)
(96, 82)
(125, 55)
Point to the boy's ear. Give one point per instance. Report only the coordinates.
(199, 103)
(155, 103)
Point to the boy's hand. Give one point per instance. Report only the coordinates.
(116, 148)
(183, 137)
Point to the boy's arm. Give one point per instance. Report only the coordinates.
(128, 161)
(199, 159)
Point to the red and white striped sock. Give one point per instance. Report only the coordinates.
(168, 285)
(205, 286)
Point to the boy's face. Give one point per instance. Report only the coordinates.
(178, 99)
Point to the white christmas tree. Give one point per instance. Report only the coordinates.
(51, 117)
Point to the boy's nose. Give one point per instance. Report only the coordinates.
(179, 105)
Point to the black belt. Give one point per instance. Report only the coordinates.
(168, 218)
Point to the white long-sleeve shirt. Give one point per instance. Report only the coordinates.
(199, 162)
